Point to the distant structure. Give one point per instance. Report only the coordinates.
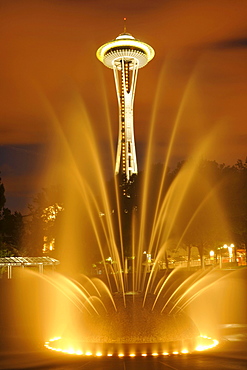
(125, 55)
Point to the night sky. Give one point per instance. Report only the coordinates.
(198, 76)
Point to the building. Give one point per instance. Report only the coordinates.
(125, 55)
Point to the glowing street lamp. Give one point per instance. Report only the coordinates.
(230, 251)
(211, 255)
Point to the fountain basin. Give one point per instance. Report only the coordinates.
(131, 328)
(72, 347)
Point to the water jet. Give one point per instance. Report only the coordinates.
(133, 308)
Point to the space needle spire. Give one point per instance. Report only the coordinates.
(125, 55)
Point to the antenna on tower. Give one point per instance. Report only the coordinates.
(125, 19)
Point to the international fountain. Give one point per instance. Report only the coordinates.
(133, 309)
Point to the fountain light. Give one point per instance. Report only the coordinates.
(203, 343)
(210, 343)
(71, 351)
(184, 351)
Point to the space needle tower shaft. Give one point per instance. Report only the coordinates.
(125, 55)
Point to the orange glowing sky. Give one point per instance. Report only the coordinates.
(48, 53)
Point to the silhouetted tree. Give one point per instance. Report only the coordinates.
(235, 199)
(41, 220)
(212, 211)
(2, 195)
(11, 228)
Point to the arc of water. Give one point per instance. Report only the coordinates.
(169, 151)
(167, 204)
(134, 267)
(108, 213)
(152, 274)
(80, 286)
(68, 292)
(78, 292)
(147, 179)
(111, 243)
(163, 285)
(161, 282)
(97, 299)
(198, 209)
(183, 284)
(90, 281)
(81, 183)
(100, 282)
(86, 188)
(107, 290)
(196, 294)
(112, 150)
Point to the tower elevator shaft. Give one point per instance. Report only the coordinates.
(125, 75)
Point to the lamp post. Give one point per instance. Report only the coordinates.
(230, 251)
(221, 249)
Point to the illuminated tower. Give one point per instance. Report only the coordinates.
(125, 55)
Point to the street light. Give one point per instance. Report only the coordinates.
(211, 255)
(230, 251)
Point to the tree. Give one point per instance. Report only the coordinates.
(40, 222)
(11, 228)
(2, 195)
(235, 199)
(194, 213)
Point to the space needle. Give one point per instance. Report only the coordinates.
(125, 55)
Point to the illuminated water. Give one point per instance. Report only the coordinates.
(81, 318)
(138, 309)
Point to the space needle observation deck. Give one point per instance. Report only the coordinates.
(125, 55)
